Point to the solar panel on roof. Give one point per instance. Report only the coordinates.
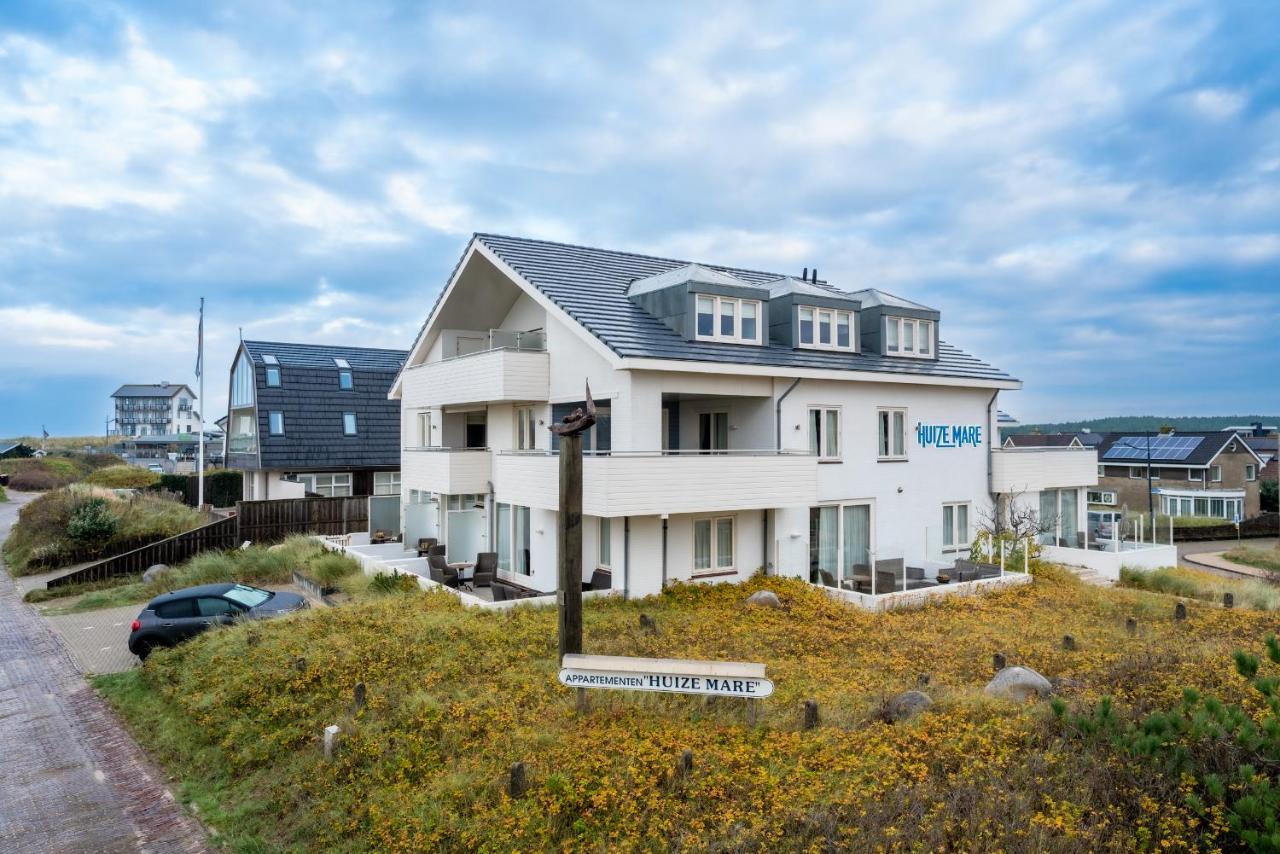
(1162, 447)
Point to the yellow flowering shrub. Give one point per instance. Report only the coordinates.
(455, 697)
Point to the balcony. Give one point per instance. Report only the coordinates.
(653, 483)
(490, 376)
(451, 471)
(1015, 470)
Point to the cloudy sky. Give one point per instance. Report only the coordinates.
(1090, 192)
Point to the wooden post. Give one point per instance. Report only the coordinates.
(569, 544)
(810, 714)
(1131, 626)
(518, 782)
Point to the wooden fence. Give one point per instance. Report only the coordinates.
(216, 535)
(271, 521)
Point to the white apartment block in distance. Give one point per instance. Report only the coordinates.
(748, 422)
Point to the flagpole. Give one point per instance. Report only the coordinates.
(200, 437)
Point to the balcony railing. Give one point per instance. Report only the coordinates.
(527, 340)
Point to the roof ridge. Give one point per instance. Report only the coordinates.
(627, 253)
(325, 346)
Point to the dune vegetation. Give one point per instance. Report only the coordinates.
(456, 696)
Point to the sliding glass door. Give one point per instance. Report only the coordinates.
(840, 545)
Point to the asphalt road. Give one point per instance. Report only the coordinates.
(73, 779)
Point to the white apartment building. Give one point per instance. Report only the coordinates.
(157, 409)
(748, 422)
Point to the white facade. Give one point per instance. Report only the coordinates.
(709, 473)
(155, 410)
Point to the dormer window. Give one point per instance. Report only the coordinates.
(906, 336)
(729, 319)
(826, 329)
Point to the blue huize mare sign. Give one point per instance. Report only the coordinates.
(949, 435)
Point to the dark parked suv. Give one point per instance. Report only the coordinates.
(181, 614)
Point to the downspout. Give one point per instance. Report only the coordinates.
(664, 551)
(995, 501)
(626, 556)
(777, 411)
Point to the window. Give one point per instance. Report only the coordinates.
(1215, 474)
(1195, 474)
(1136, 472)
(824, 432)
(727, 319)
(893, 434)
(241, 383)
(955, 526)
(1058, 518)
(1102, 471)
(424, 429)
(344, 374)
(606, 542)
(806, 326)
(1250, 472)
(273, 377)
(1155, 473)
(713, 545)
(826, 329)
(512, 523)
(327, 485)
(713, 431)
(476, 430)
(275, 423)
(177, 609)
(840, 546)
(526, 432)
(907, 336)
(1101, 496)
(213, 606)
(386, 483)
(348, 423)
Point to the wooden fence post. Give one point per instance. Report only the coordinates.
(569, 528)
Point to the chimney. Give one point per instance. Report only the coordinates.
(815, 275)
(804, 277)
(1257, 429)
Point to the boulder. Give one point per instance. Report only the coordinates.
(766, 598)
(906, 705)
(1018, 684)
(153, 571)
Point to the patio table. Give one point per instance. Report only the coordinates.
(466, 573)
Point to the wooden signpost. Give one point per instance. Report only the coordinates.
(569, 525)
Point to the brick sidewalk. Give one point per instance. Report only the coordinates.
(73, 780)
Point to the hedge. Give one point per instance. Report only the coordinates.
(222, 487)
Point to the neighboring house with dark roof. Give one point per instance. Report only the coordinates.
(1195, 473)
(10, 450)
(157, 409)
(309, 418)
(747, 421)
(1043, 440)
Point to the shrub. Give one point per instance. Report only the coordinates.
(97, 460)
(92, 523)
(41, 530)
(35, 480)
(123, 477)
(328, 568)
(3, 496)
(155, 516)
(1232, 756)
(39, 474)
(396, 582)
(1268, 559)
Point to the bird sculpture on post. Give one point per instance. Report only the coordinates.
(569, 525)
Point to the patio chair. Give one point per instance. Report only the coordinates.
(424, 545)
(438, 550)
(501, 592)
(915, 573)
(887, 581)
(601, 579)
(486, 569)
(828, 579)
(441, 572)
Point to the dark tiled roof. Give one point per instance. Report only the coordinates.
(1211, 443)
(313, 404)
(590, 285)
(322, 355)
(154, 390)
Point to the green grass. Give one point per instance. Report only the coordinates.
(1268, 559)
(3, 496)
(1196, 584)
(456, 696)
(254, 565)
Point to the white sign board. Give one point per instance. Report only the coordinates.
(676, 676)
